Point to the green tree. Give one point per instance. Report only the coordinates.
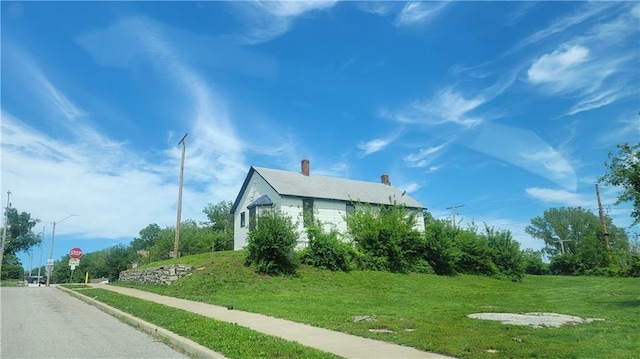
(577, 235)
(20, 237)
(148, 236)
(271, 245)
(221, 223)
(623, 169)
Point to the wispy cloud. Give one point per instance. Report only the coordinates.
(382, 8)
(596, 68)
(584, 13)
(417, 12)
(424, 157)
(560, 197)
(373, 146)
(447, 106)
(525, 150)
(267, 20)
(628, 128)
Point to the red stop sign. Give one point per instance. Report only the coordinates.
(75, 253)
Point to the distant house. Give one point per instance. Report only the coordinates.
(305, 197)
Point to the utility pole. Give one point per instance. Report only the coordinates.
(561, 241)
(453, 213)
(602, 218)
(4, 231)
(182, 142)
(40, 262)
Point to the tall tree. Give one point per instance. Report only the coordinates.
(220, 217)
(576, 232)
(221, 222)
(623, 169)
(148, 236)
(20, 237)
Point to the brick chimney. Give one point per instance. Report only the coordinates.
(385, 179)
(305, 166)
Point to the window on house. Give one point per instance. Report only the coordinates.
(351, 209)
(242, 224)
(252, 218)
(307, 212)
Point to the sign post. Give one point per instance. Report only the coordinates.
(75, 254)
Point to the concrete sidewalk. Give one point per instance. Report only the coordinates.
(344, 345)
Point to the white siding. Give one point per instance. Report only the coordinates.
(256, 187)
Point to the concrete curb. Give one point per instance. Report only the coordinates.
(191, 348)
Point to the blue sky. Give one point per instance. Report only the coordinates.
(507, 108)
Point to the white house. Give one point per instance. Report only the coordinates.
(302, 195)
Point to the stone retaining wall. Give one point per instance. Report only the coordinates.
(158, 275)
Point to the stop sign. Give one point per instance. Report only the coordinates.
(75, 253)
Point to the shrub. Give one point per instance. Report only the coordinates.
(475, 257)
(440, 251)
(271, 246)
(565, 264)
(386, 238)
(533, 263)
(505, 253)
(326, 251)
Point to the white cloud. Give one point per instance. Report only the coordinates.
(525, 149)
(409, 187)
(419, 12)
(373, 146)
(267, 20)
(381, 8)
(447, 106)
(424, 156)
(557, 66)
(560, 197)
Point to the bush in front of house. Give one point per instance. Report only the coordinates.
(327, 251)
(271, 245)
(386, 239)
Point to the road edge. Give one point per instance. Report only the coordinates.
(182, 344)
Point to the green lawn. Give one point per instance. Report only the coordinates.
(229, 339)
(428, 312)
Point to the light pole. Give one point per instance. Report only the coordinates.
(53, 235)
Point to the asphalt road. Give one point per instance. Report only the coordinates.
(48, 323)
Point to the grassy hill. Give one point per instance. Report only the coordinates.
(429, 312)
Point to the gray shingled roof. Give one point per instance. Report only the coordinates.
(288, 183)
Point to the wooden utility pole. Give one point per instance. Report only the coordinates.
(602, 218)
(182, 142)
(453, 213)
(4, 231)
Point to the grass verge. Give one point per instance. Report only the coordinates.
(231, 340)
(429, 312)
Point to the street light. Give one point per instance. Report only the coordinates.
(50, 261)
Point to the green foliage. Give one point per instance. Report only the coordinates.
(579, 234)
(271, 246)
(221, 224)
(327, 251)
(12, 271)
(533, 263)
(623, 170)
(476, 256)
(565, 264)
(148, 237)
(440, 250)
(386, 239)
(20, 237)
(505, 253)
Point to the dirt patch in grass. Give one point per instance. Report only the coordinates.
(537, 320)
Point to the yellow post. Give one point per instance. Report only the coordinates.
(86, 278)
